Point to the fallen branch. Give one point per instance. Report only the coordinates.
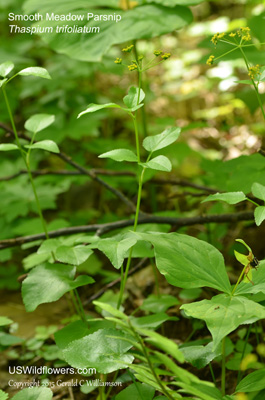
(101, 229)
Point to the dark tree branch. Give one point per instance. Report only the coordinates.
(95, 171)
(101, 229)
(84, 171)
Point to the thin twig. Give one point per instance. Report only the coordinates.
(101, 229)
(110, 285)
(90, 173)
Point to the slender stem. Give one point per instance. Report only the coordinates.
(136, 137)
(223, 368)
(225, 54)
(13, 122)
(75, 303)
(239, 279)
(145, 352)
(212, 373)
(81, 308)
(253, 202)
(37, 202)
(253, 82)
(127, 268)
(26, 161)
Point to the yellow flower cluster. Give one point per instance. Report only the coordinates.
(216, 37)
(118, 60)
(128, 49)
(158, 53)
(244, 33)
(254, 71)
(210, 60)
(165, 56)
(132, 67)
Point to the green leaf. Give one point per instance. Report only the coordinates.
(252, 382)
(164, 139)
(96, 107)
(245, 82)
(133, 98)
(35, 71)
(5, 68)
(259, 215)
(34, 393)
(2, 81)
(48, 145)
(202, 390)
(230, 198)
(5, 321)
(200, 356)
(244, 244)
(3, 395)
(49, 246)
(73, 255)
(242, 258)
(159, 163)
(154, 303)
(150, 321)
(111, 310)
(258, 191)
(120, 155)
(188, 262)
(137, 391)
(155, 20)
(8, 147)
(223, 314)
(163, 343)
(38, 122)
(116, 250)
(110, 354)
(47, 283)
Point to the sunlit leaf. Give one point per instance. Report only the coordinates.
(5, 68)
(164, 139)
(38, 122)
(230, 198)
(120, 155)
(35, 71)
(48, 145)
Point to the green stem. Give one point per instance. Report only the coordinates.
(253, 202)
(81, 308)
(27, 164)
(254, 84)
(75, 303)
(150, 364)
(225, 54)
(212, 373)
(239, 279)
(136, 137)
(223, 368)
(127, 268)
